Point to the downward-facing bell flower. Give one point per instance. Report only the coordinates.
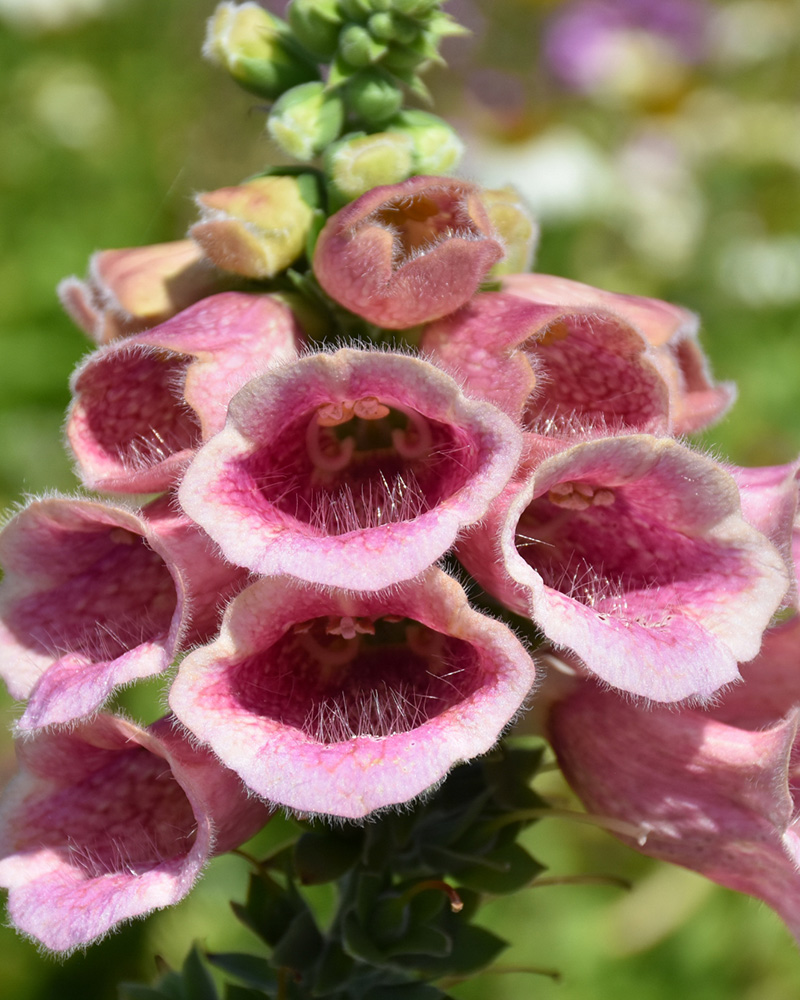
(355, 469)
(407, 253)
(714, 790)
(696, 400)
(589, 368)
(632, 552)
(142, 406)
(108, 821)
(96, 596)
(335, 702)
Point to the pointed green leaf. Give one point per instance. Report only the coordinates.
(252, 970)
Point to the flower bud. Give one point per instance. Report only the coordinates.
(256, 49)
(515, 226)
(255, 229)
(135, 288)
(359, 162)
(407, 253)
(359, 48)
(305, 120)
(315, 24)
(437, 146)
(373, 97)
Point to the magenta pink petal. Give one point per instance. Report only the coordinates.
(142, 406)
(634, 555)
(671, 331)
(356, 469)
(96, 596)
(107, 822)
(334, 702)
(710, 796)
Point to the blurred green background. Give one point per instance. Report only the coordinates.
(662, 155)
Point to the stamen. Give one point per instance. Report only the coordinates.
(348, 627)
(580, 496)
(370, 408)
(416, 439)
(325, 450)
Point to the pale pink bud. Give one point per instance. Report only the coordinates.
(132, 289)
(407, 253)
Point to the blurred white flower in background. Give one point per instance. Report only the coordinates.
(48, 15)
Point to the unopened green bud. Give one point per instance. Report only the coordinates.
(515, 226)
(358, 48)
(372, 96)
(360, 162)
(358, 10)
(391, 28)
(305, 120)
(256, 49)
(437, 146)
(316, 25)
(414, 8)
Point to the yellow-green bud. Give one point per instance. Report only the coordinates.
(372, 96)
(437, 146)
(360, 162)
(356, 9)
(515, 226)
(305, 120)
(255, 48)
(316, 25)
(358, 48)
(255, 229)
(391, 28)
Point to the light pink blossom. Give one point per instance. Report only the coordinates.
(591, 366)
(143, 405)
(96, 596)
(330, 701)
(632, 552)
(108, 821)
(714, 790)
(407, 253)
(695, 399)
(356, 469)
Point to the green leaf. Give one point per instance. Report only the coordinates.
(198, 984)
(269, 909)
(422, 941)
(512, 869)
(334, 969)
(244, 993)
(301, 943)
(324, 856)
(474, 948)
(251, 969)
